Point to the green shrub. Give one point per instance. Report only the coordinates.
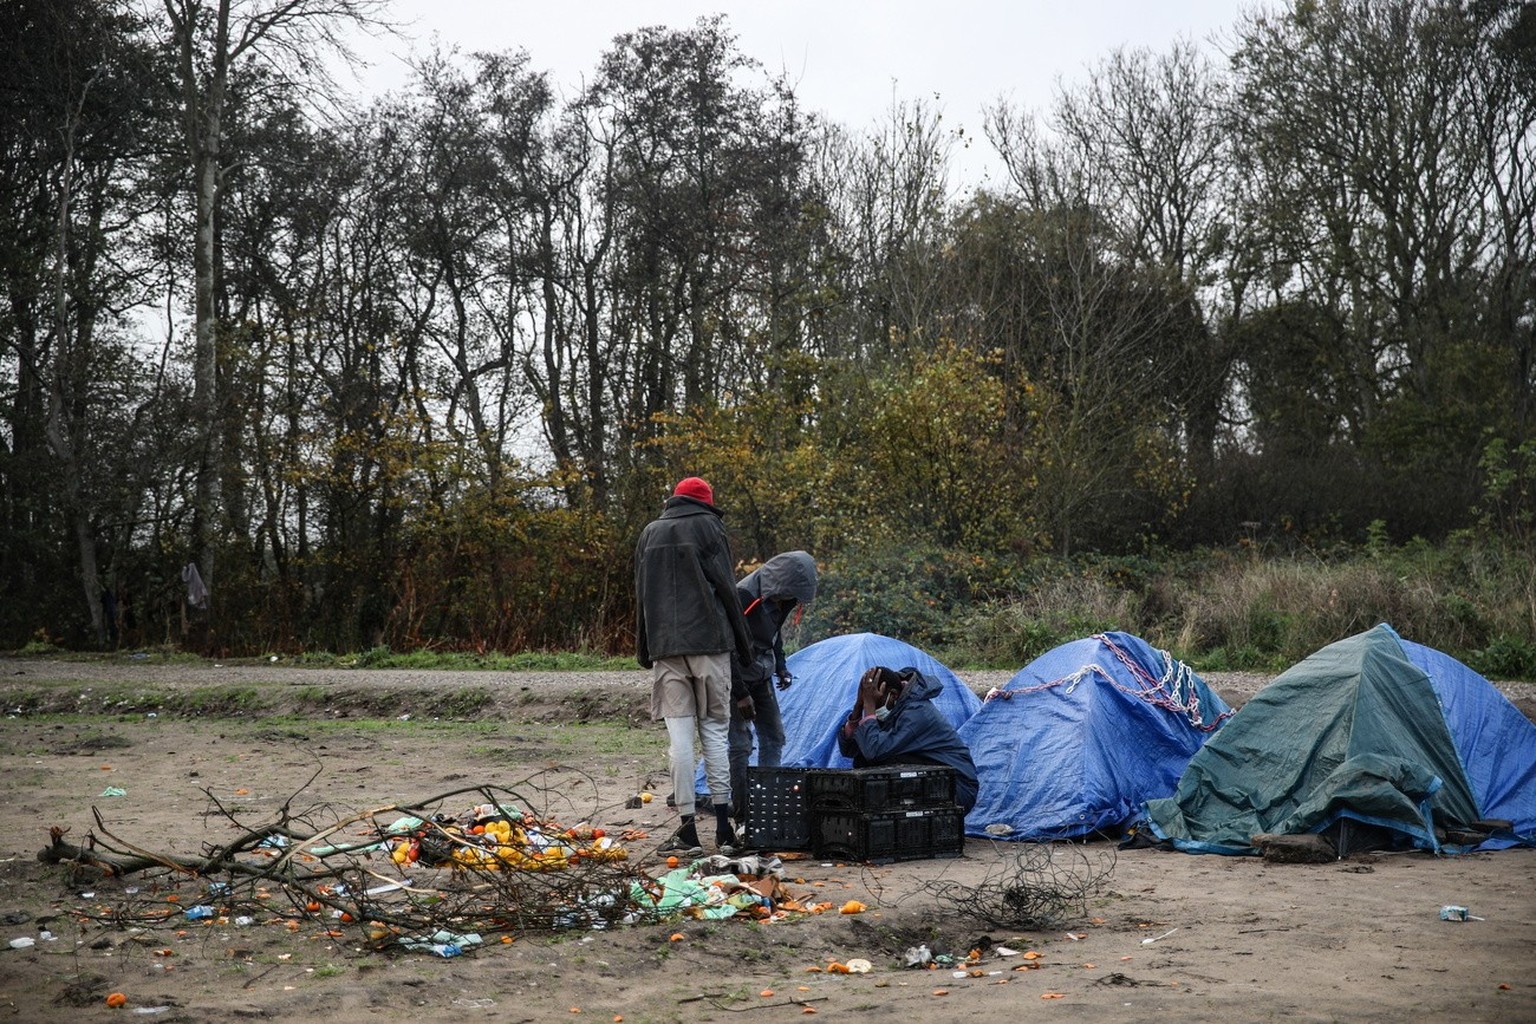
(1506, 658)
(919, 595)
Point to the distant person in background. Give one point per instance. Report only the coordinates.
(109, 616)
(768, 597)
(894, 721)
(688, 629)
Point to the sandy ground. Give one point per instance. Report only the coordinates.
(198, 751)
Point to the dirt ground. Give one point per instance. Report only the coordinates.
(197, 749)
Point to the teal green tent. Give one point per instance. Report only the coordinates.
(1353, 735)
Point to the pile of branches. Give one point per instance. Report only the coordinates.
(1044, 885)
(405, 871)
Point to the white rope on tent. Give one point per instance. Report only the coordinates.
(1069, 681)
(1176, 691)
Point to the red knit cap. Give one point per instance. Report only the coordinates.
(695, 487)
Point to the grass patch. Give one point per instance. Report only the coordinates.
(216, 702)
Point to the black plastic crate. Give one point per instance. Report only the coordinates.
(917, 834)
(887, 788)
(777, 817)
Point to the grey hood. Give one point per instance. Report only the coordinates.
(791, 574)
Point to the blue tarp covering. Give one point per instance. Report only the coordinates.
(1083, 735)
(1371, 729)
(1495, 742)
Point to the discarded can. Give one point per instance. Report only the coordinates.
(1451, 913)
(199, 913)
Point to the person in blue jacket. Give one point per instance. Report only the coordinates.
(894, 721)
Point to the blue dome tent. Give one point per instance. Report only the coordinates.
(1082, 736)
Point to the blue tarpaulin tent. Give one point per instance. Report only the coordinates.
(1371, 731)
(1082, 736)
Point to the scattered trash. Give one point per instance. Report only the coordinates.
(114, 791)
(919, 956)
(150, 1011)
(999, 828)
(1455, 913)
(1148, 942)
(1005, 951)
(199, 913)
(859, 966)
(442, 943)
(24, 942)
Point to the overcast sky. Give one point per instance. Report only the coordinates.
(847, 59)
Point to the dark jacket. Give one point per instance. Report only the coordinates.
(685, 595)
(915, 732)
(767, 596)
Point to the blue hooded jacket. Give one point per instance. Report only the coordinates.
(915, 732)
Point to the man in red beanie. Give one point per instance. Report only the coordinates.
(688, 627)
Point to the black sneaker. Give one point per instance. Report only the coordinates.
(685, 840)
(727, 841)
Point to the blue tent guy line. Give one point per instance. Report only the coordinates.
(1375, 730)
(1082, 736)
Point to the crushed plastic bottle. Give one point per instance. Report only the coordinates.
(199, 913)
(24, 942)
(1455, 913)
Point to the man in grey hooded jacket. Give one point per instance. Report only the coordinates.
(768, 597)
(688, 629)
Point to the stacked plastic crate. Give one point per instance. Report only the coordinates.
(777, 809)
(895, 812)
(898, 812)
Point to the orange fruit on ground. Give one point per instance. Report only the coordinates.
(672, 862)
(117, 999)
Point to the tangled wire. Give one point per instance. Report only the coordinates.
(1042, 886)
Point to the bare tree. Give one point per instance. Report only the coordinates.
(210, 39)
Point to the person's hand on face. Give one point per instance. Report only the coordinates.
(870, 696)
